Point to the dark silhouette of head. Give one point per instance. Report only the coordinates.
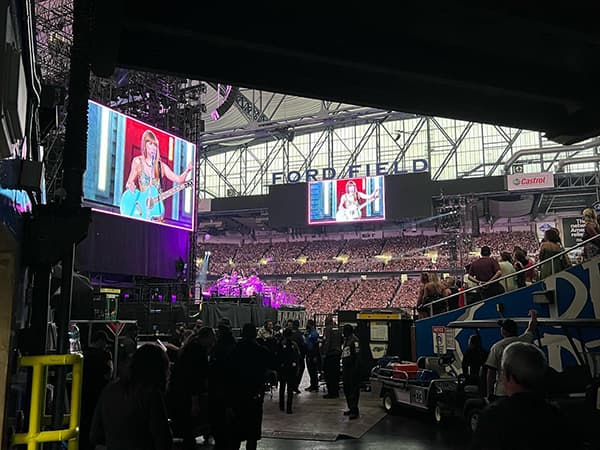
(287, 333)
(249, 332)
(474, 342)
(347, 330)
(508, 327)
(552, 235)
(486, 251)
(149, 367)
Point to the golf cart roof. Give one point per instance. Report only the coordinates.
(493, 323)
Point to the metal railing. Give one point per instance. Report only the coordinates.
(35, 436)
(549, 261)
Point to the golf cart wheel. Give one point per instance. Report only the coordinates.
(473, 419)
(388, 402)
(438, 414)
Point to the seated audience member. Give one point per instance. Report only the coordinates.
(484, 270)
(131, 413)
(524, 419)
(508, 328)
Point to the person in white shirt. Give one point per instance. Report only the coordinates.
(508, 328)
(507, 268)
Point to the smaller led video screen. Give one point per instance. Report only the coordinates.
(138, 171)
(346, 201)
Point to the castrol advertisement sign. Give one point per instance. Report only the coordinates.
(526, 181)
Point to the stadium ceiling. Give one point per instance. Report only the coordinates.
(524, 67)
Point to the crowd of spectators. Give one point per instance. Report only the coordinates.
(407, 253)
(506, 241)
(398, 254)
(329, 296)
(301, 289)
(407, 294)
(251, 253)
(372, 294)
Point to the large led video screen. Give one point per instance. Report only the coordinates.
(346, 201)
(138, 171)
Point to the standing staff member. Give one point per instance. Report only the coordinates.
(298, 338)
(332, 344)
(313, 357)
(351, 371)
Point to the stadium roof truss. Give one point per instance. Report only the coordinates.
(241, 161)
(265, 132)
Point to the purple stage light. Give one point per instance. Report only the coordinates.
(173, 298)
(126, 296)
(232, 286)
(160, 297)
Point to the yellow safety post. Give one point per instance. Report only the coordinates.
(35, 436)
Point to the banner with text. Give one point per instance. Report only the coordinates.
(573, 228)
(527, 181)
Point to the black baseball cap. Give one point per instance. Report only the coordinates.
(509, 325)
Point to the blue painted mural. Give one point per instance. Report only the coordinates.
(577, 297)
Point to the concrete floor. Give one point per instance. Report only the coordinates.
(404, 430)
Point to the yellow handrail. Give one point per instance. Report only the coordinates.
(35, 436)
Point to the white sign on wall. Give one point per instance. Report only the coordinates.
(525, 181)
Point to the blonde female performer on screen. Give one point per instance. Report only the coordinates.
(147, 169)
(350, 207)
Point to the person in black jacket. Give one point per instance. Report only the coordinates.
(473, 361)
(97, 370)
(220, 393)
(131, 413)
(332, 348)
(288, 358)
(351, 371)
(298, 338)
(188, 386)
(249, 364)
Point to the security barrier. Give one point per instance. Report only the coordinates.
(35, 436)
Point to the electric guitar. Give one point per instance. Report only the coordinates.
(349, 214)
(148, 204)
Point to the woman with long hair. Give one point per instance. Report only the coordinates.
(591, 249)
(350, 204)
(550, 247)
(131, 413)
(147, 169)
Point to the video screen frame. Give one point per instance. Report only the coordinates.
(119, 167)
(335, 212)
